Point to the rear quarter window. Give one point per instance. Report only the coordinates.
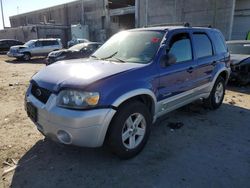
(220, 45)
(202, 45)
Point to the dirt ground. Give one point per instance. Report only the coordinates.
(212, 149)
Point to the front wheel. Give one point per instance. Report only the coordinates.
(129, 130)
(26, 57)
(216, 96)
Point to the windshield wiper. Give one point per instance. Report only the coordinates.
(110, 56)
(95, 57)
(118, 59)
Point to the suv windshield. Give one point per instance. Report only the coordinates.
(29, 43)
(131, 46)
(239, 48)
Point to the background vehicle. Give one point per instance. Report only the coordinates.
(76, 41)
(39, 47)
(82, 50)
(135, 77)
(240, 64)
(5, 44)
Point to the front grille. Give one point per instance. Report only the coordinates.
(13, 50)
(40, 93)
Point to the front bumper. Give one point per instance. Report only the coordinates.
(10, 54)
(82, 128)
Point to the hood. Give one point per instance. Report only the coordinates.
(238, 58)
(58, 52)
(18, 47)
(79, 73)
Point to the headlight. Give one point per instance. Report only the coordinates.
(77, 99)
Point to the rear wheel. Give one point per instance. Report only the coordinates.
(129, 130)
(216, 96)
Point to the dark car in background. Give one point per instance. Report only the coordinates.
(5, 44)
(240, 61)
(82, 50)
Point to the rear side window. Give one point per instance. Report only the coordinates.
(202, 45)
(49, 42)
(220, 45)
(180, 48)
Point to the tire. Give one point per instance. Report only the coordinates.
(135, 133)
(216, 96)
(26, 57)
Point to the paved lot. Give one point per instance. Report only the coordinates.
(212, 149)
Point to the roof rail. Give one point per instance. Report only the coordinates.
(185, 24)
(208, 26)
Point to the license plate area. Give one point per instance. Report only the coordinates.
(31, 111)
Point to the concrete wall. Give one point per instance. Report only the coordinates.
(26, 33)
(66, 14)
(20, 33)
(241, 23)
(219, 14)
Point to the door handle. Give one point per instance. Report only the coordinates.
(190, 69)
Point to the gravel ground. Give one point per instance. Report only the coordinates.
(212, 149)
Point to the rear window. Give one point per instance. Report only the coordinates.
(202, 45)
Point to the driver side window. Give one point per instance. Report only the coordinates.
(180, 48)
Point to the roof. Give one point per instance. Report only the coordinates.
(49, 39)
(9, 39)
(168, 28)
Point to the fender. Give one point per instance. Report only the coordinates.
(133, 93)
(224, 69)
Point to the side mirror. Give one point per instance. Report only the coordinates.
(168, 59)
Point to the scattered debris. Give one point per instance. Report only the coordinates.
(10, 169)
(232, 102)
(15, 84)
(6, 163)
(176, 125)
(12, 165)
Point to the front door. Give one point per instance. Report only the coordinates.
(176, 79)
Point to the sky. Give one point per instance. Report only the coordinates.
(14, 7)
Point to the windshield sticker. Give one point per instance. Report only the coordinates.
(155, 40)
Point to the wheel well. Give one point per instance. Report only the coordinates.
(145, 99)
(224, 75)
(27, 53)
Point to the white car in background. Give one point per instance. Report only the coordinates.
(76, 41)
(38, 47)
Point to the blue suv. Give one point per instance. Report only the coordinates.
(135, 77)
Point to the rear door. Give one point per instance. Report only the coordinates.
(204, 55)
